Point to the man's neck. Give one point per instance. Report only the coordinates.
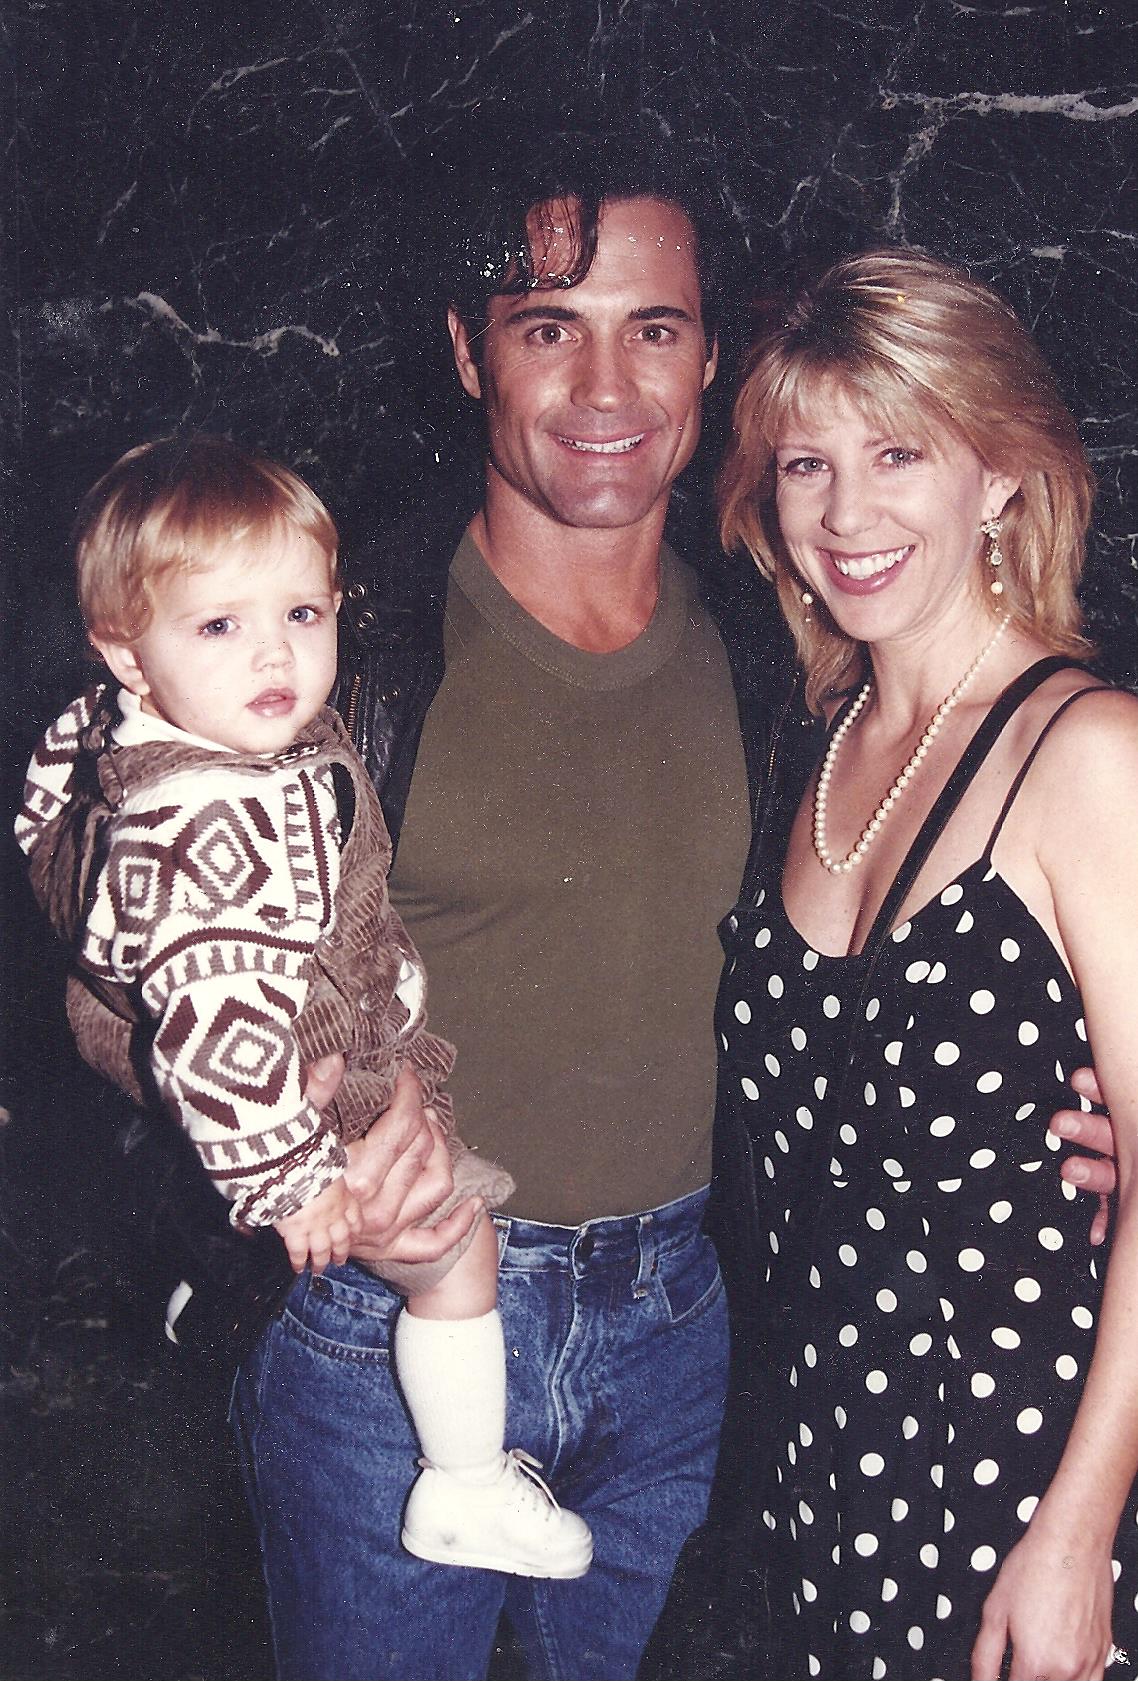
(595, 589)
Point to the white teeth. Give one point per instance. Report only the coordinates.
(868, 566)
(619, 447)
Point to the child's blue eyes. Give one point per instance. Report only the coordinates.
(214, 628)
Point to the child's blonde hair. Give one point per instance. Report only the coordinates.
(173, 505)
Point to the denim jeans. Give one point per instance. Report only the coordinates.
(616, 1343)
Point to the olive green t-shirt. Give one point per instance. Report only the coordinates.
(576, 827)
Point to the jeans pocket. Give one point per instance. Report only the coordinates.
(343, 1320)
(691, 1281)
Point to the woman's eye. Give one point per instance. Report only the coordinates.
(802, 466)
(217, 627)
(900, 456)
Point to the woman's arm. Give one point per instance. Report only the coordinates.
(1052, 1599)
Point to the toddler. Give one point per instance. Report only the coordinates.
(211, 846)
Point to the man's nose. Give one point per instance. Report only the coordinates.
(602, 377)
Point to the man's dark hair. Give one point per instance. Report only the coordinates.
(490, 248)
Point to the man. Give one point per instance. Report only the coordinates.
(568, 729)
(557, 746)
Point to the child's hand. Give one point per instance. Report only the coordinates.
(323, 1229)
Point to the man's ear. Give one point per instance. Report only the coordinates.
(463, 356)
(122, 660)
(712, 363)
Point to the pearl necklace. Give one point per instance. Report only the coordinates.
(869, 834)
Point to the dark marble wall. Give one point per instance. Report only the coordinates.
(218, 210)
(216, 215)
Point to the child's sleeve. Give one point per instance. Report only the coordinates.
(214, 894)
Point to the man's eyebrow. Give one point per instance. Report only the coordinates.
(662, 312)
(558, 312)
(542, 312)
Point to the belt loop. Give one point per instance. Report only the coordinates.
(646, 1239)
(501, 1225)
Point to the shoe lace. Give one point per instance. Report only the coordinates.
(527, 1466)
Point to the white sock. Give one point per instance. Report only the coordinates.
(453, 1376)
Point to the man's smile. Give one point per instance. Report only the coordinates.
(614, 446)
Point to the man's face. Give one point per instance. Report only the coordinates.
(592, 392)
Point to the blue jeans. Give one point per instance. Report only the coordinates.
(616, 1340)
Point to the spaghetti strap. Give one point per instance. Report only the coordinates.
(985, 738)
(1091, 689)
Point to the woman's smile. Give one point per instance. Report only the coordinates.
(866, 571)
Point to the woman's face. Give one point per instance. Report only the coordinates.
(883, 529)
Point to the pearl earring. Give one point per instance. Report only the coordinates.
(991, 529)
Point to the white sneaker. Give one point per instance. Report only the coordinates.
(512, 1524)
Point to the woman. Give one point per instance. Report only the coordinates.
(930, 932)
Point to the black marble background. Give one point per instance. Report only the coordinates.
(218, 214)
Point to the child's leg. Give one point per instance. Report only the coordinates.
(451, 1362)
(474, 1504)
(470, 1288)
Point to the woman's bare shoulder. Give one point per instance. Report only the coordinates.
(1098, 714)
(1088, 763)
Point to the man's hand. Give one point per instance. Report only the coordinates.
(322, 1079)
(400, 1173)
(1094, 1132)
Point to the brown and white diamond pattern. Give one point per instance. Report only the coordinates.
(220, 854)
(242, 1055)
(139, 877)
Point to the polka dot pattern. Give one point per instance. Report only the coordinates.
(930, 1304)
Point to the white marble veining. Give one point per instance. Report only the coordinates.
(220, 212)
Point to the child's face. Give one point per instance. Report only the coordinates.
(241, 652)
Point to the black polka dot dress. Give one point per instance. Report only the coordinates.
(931, 1295)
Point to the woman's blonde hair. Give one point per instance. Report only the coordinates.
(174, 505)
(917, 344)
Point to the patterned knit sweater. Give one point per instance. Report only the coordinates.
(221, 942)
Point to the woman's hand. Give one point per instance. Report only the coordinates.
(1051, 1603)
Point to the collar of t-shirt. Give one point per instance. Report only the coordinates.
(136, 727)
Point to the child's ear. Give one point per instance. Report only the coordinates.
(122, 660)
